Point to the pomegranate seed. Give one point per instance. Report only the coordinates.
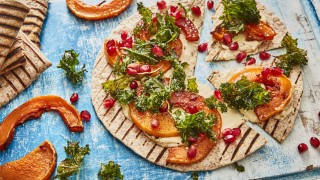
(134, 66)
(234, 46)
(264, 55)
(111, 43)
(202, 47)
(318, 114)
(177, 15)
(302, 147)
(85, 115)
(124, 35)
(192, 109)
(154, 19)
(226, 132)
(251, 61)
(241, 56)
(74, 97)
(196, 10)
(154, 123)
(314, 142)
(193, 97)
(121, 44)
(161, 4)
(164, 107)
(227, 39)
(201, 135)
(109, 103)
(132, 71)
(192, 151)
(276, 71)
(173, 9)
(210, 4)
(112, 50)
(157, 51)
(236, 131)
(229, 138)
(128, 45)
(129, 40)
(192, 139)
(265, 73)
(217, 94)
(145, 68)
(133, 85)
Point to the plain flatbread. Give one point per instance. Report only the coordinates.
(17, 80)
(126, 131)
(12, 15)
(216, 51)
(279, 127)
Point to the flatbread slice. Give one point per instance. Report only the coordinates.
(217, 51)
(15, 58)
(280, 125)
(17, 80)
(12, 15)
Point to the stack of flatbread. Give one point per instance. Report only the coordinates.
(21, 60)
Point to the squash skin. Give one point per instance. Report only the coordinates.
(33, 109)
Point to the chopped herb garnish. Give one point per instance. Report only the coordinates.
(244, 94)
(195, 176)
(190, 125)
(239, 167)
(213, 103)
(178, 79)
(142, 55)
(72, 164)
(192, 85)
(68, 63)
(110, 171)
(237, 13)
(294, 56)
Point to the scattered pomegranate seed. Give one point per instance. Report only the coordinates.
(109, 103)
(128, 45)
(154, 123)
(161, 4)
(229, 138)
(124, 35)
(202, 47)
(265, 72)
(111, 43)
(201, 135)
(133, 85)
(85, 115)
(227, 39)
(196, 10)
(192, 151)
(154, 19)
(236, 131)
(226, 132)
(177, 15)
(192, 139)
(74, 97)
(217, 94)
(210, 4)
(276, 71)
(129, 40)
(302, 147)
(173, 9)
(157, 51)
(132, 72)
(112, 50)
(234, 46)
(314, 142)
(251, 61)
(241, 56)
(164, 107)
(264, 55)
(121, 44)
(145, 68)
(192, 109)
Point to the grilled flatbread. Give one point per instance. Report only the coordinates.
(217, 51)
(15, 58)
(17, 80)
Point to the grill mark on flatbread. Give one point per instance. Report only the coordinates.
(145, 141)
(240, 143)
(7, 36)
(274, 128)
(252, 142)
(13, 52)
(35, 53)
(7, 26)
(43, 5)
(109, 75)
(161, 154)
(25, 71)
(114, 117)
(19, 79)
(151, 150)
(9, 16)
(18, 62)
(138, 134)
(11, 84)
(35, 16)
(96, 64)
(265, 124)
(32, 64)
(125, 135)
(16, 8)
(40, 11)
(124, 120)
(28, 32)
(4, 46)
(32, 24)
(296, 82)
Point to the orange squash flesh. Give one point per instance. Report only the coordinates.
(98, 12)
(142, 120)
(33, 109)
(178, 155)
(281, 92)
(38, 164)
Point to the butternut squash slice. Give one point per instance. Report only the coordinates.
(98, 12)
(38, 164)
(33, 109)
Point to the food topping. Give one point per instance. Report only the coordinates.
(227, 39)
(154, 123)
(250, 61)
(214, 103)
(196, 10)
(157, 51)
(192, 85)
(230, 135)
(85, 115)
(74, 97)
(161, 4)
(234, 46)
(229, 138)
(187, 26)
(192, 152)
(108, 103)
(134, 85)
(241, 56)
(202, 47)
(314, 142)
(164, 107)
(110, 171)
(210, 4)
(302, 147)
(264, 55)
(259, 32)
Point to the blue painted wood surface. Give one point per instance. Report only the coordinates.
(63, 31)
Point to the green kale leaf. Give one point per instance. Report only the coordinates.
(142, 55)
(294, 56)
(195, 176)
(244, 94)
(237, 13)
(190, 125)
(192, 85)
(110, 171)
(72, 164)
(68, 63)
(239, 167)
(178, 79)
(213, 103)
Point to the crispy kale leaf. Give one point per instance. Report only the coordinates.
(294, 56)
(237, 13)
(213, 103)
(244, 94)
(192, 85)
(68, 63)
(110, 171)
(72, 164)
(193, 124)
(239, 167)
(178, 79)
(195, 176)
